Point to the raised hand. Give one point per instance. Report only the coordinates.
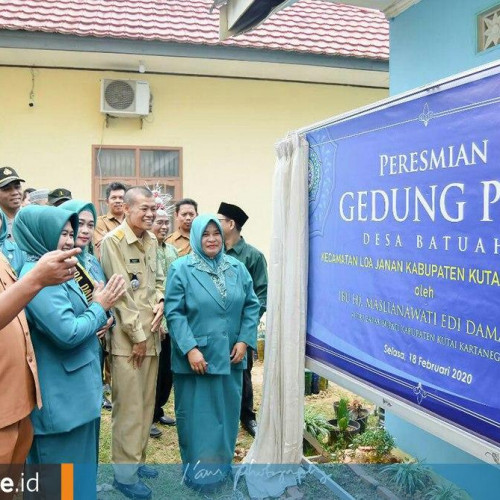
(108, 295)
(55, 267)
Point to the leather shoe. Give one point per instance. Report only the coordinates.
(106, 403)
(206, 489)
(155, 432)
(166, 420)
(137, 490)
(250, 426)
(147, 472)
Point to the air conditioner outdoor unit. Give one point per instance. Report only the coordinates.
(125, 98)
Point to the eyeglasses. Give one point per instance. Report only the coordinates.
(222, 218)
(162, 223)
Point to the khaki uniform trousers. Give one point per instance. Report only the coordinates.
(15, 443)
(133, 394)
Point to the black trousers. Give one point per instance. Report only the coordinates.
(164, 381)
(247, 412)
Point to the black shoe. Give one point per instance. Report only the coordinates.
(166, 420)
(155, 432)
(137, 490)
(147, 472)
(250, 426)
(106, 403)
(206, 489)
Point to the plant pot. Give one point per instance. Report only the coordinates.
(352, 429)
(307, 382)
(362, 417)
(323, 384)
(261, 343)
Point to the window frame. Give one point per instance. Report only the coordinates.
(137, 180)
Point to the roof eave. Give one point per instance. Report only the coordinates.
(21, 39)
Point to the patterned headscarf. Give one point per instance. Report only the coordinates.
(197, 229)
(81, 206)
(214, 267)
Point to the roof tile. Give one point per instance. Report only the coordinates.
(308, 26)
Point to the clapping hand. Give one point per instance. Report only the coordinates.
(108, 295)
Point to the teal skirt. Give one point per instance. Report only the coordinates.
(79, 447)
(207, 410)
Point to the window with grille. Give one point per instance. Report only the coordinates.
(488, 29)
(136, 166)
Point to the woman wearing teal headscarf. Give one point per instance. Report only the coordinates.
(87, 218)
(63, 330)
(9, 248)
(212, 315)
(88, 270)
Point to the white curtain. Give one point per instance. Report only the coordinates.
(281, 416)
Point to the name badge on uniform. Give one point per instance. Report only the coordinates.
(134, 261)
(134, 282)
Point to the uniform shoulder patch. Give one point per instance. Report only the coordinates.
(117, 234)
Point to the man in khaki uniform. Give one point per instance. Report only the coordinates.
(131, 250)
(186, 211)
(107, 222)
(115, 191)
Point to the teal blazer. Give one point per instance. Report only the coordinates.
(198, 317)
(14, 254)
(63, 330)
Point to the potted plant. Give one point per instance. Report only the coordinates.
(359, 413)
(343, 426)
(261, 340)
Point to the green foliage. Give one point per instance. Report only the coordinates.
(316, 424)
(408, 476)
(378, 438)
(342, 414)
(444, 492)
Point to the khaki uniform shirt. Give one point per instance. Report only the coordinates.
(180, 242)
(19, 389)
(123, 253)
(104, 225)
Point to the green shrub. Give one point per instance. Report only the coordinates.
(316, 424)
(378, 438)
(446, 491)
(408, 476)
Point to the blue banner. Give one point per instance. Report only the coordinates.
(404, 266)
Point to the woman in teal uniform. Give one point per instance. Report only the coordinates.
(88, 270)
(63, 328)
(10, 249)
(87, 218)
(212, 315)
